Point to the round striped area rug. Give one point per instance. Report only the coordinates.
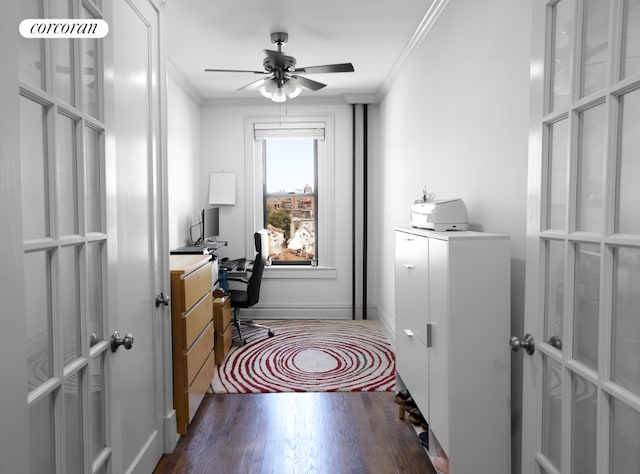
(309, 356)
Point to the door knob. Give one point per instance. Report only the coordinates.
(527, 343)
(162, 299)
(556, 342)
(117, 341)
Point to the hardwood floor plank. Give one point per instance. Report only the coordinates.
(332, 433)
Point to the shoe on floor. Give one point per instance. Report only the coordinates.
(401, 396)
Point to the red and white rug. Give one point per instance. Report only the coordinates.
(309, 356)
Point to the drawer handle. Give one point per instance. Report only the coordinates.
(429, 334)
(408, 265)
(409, 239)
(409, 332)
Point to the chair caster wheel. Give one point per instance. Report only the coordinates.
(271, 333)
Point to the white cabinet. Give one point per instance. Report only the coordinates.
(452, 333)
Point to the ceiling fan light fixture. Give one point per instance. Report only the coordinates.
(268, 89)
(279, 95)
(292, 88)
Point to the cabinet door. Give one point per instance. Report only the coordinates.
(412, 281)
(439, 340)
(412, 364)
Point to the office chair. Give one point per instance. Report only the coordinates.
(250, 293)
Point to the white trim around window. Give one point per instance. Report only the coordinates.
(326, 192)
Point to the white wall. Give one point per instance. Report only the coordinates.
(223, 149)
(456, 120)
(183, 143)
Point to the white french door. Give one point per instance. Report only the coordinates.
(84, 252)
(581, 388)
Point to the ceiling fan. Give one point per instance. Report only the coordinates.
(283, 77)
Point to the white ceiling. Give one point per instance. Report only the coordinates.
(232, 34)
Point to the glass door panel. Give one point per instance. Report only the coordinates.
(97, 431)
(37, 274)
(31, 51)
(42, 436)
(554, 305)
(586, 304)
(595, 46)
(625, 349)
(93, 172)
(557, 176)
(69, 298)
(631, 38)
(629, 191)
(625, 433)
(67, 173)
(73, 420)
(35, 169)
(562, 38)
(590, 169)
(551, 410)
(583, 426)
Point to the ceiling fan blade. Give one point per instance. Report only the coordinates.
(308, 83)
(342, 67)
(254, 84)
(235, 70)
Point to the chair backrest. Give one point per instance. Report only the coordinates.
(253, 287)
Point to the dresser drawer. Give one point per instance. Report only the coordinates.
(196, 320)
(198, 353)
(201, 384)
(224, 339)
(196, 284)
(222, 313)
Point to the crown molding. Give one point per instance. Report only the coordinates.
(416, 40)
(184, 84)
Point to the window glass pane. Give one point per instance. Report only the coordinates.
(89, 71)
(93, 167)
(590, 170)
(631, 41)
(291, 201)
(551, 410)
(37, 268)
(557, 177)
(629, 167)
(73, 424)
(625, 439)
(563, 18)
(35, 169)
(95, 290)
(626, 323)
(555, 289)
(69, 297)
(97, 430)
(586, 304)
(583, 426)
(595, 46)
(31, 51)
(62, 50)
(42, 436)
(67, 175)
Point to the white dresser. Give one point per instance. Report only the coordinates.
(452, 342)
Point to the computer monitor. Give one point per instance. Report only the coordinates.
(210, 223)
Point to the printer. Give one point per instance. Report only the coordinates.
(440, 214)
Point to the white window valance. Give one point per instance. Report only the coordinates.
(263, 131)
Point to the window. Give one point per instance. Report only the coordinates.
(290, 169)
(290, 199)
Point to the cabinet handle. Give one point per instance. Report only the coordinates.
(408, 265)
(409, 332)
(429, 328)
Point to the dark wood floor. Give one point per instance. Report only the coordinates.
(343, 432)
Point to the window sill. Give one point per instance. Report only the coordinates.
(281, 271)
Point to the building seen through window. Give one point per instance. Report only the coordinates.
(291, 200)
